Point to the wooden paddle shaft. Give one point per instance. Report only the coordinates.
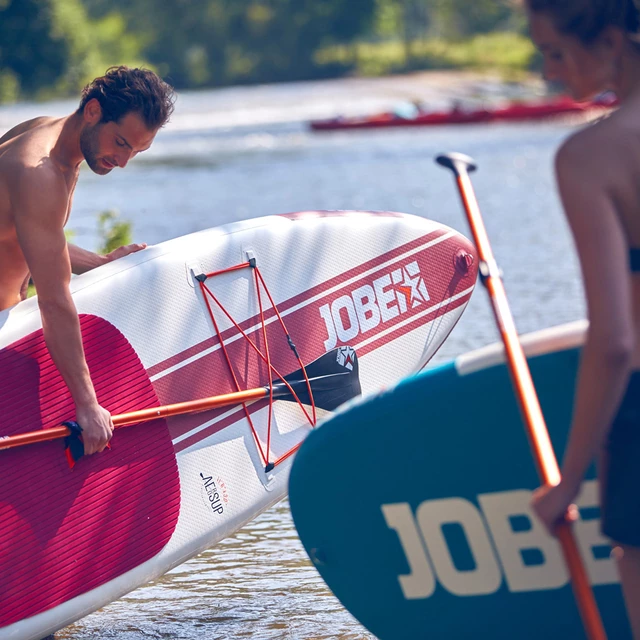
(530, 406)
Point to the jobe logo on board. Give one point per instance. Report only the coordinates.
(500, 541)
(366, 307)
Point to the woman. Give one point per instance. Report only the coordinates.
(591, 46)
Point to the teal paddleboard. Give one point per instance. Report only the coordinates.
(414, 505)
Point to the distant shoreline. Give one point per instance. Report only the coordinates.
(448, 82)
(244, 105)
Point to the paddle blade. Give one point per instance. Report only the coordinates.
(333, 377)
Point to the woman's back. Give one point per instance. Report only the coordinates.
(610, 152)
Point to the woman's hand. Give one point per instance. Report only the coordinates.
(554, 504)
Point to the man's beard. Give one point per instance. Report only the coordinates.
(89, 147)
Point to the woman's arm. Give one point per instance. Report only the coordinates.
(606, 358)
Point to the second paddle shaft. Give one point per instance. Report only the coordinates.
(525, 391)
(542, 448)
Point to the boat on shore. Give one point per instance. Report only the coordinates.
(513, 112)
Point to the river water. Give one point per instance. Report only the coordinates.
(244, 152)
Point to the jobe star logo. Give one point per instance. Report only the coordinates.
(363, 309)
(346, 357)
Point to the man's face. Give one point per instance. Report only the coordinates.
(106, 145)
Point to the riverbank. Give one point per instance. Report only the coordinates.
(435, 89)
(300, 101)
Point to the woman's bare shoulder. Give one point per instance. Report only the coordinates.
(598, 147)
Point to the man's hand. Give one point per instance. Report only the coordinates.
(121, 252)
(97, 427)
(83, 260)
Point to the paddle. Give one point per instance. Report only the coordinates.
(333, 379)
(545, 459)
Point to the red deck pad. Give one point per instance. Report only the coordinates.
(66, 532)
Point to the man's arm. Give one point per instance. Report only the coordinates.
(40, 205)
(83, 260)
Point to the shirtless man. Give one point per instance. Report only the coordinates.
(118, 117)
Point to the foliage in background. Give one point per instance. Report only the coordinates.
(217, 42)
(113, 233)
(506, 53)
(53, 47)
(461, 18)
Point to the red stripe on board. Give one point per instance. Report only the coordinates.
(67, 532)
(208, 375)
(184, 424)
(284, 306)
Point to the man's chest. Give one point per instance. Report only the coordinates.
(72, 180)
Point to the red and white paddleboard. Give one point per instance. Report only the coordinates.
(172, 324)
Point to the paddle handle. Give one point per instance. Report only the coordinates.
(143, 415)
(536, 428)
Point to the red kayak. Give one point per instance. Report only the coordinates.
(517, 111)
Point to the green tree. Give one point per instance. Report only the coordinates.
(460, 18)
(52, 47)
(281, 37)
(217, 42)
(31, 48)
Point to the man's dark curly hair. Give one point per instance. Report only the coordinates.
(122, 90)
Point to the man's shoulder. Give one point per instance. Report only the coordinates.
(25, 126)
(38, 182)
(23, 149)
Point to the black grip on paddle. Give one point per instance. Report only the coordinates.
(73, 445)
(457, 162)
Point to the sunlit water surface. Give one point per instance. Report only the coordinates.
(246, 152)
